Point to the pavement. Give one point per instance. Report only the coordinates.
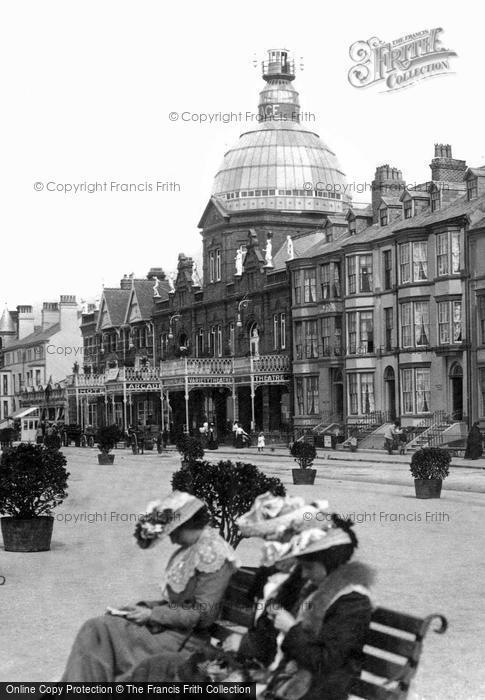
(427, 554)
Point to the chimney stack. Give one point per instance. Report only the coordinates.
(125, 283)
(68, 312)
(49, 314)
(25, 321)
(445, 168)
(387, 182)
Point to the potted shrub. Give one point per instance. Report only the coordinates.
(33, 481)
(106, 439)
(429, 466)
(228, 489)
(190, 449)
(303, 453)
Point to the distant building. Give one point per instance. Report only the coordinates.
(37, 359)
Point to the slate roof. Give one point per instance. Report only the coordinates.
(7, 324)
(300, 248)
(116, 301)
(38, 336)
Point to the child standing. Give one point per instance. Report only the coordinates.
(261, 442)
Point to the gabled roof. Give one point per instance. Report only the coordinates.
(141, 294)
(478, 172)
(38, 336)
(414, 194)
(215, 206)
(7, 324)
(113, 307)
(390, 201)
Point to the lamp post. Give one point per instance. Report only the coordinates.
(172, 318)
(243, 304)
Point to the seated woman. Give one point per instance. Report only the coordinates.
(322, 646)
(107, 648)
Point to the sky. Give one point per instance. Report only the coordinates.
(88, 88)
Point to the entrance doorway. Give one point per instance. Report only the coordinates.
(338, 395)
(456, 378)
(390, 380)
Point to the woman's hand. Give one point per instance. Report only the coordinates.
(139, 615)
(282, 620)
(232, 643)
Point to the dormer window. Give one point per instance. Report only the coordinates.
(435, 200)
(384, 217)
(352, 227)
(407, 208)
(472, 188)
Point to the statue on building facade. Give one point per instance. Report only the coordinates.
(268, 252)
(289, 248)
(156, 293)
(171, 283)
(239, 261)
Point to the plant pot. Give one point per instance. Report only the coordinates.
(428, 488)
(104, 458)
(303, 476)
(27, 534)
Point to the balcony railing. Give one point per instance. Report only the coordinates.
(194, 367)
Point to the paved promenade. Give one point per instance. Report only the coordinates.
(428, 556)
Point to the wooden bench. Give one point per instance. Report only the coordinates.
(392, 649)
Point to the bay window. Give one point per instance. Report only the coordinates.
(449, 322)
(312, 396)
(299, 340)
(311, 339)
(361, 393)
(417, 253)
(297, 286)
(360, 330)
(481, 319)
(415, 390)
(448, 253)
(300, 404)
(359, 274)
(306, 395)
(326, 335)
(415, 324)
(310, 285)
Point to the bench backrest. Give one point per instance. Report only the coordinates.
(392, 648)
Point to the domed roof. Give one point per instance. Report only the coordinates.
(280, 164)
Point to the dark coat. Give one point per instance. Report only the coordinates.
(332, 650)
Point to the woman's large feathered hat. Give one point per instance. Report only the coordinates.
(163, 517)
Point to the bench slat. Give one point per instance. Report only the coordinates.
(388, 669)
(369, 691)
(408, 648)
(399, 621)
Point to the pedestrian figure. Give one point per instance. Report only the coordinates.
(165, 437)
(474, 443)
(403, 441)
(390, 434)
(261, 442)
(235, 426)
(159, 442)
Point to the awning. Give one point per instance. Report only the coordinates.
(25, 412)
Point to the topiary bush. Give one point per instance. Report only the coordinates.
(190, 448)
(228, 489)
(304, 453)
(107, 437)
(33, 480)
(430, 463)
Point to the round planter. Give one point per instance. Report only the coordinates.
(428, 488)
(303, 476)
(27, 535)
(104, 458)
